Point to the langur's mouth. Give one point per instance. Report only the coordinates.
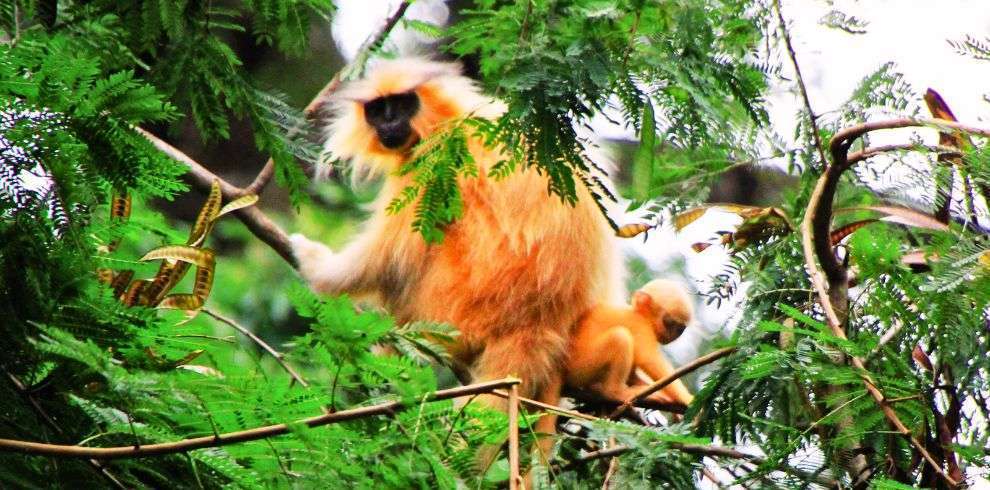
(399, 140)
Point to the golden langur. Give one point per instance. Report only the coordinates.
(612, 341)
(513, 274)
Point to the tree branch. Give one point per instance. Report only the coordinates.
(23, 390)
(832, 288)
(315, 105)
(256, 221)
(812, 118)
(279, 358)
(217, 440)
(674, 376)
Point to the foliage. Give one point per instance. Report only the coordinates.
(80, 367)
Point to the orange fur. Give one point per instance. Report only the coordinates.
(611, 342)
(513, 274)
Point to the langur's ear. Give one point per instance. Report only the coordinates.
(643, 303)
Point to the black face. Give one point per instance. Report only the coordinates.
(674, 329)
(390, 117)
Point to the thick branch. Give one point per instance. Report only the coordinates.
(132, 451)
(256, 221)
(674, 376)
(831, 288)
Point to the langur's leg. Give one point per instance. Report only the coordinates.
(614, 351)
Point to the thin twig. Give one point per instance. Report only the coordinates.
(69, 451)
(279, 357)
(26, 393)
(800, 82)
(613, 466)
(711, 451)
(548, 407)
(514, 479)
(315, 105)
(873, 151)
(674, 376)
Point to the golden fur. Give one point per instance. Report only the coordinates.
(513, 274)
(611, 342)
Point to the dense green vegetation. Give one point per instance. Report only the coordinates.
(905, 316)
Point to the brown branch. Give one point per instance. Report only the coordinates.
(873, 151)
(217, 440)
(831, 288)
(279, 358)
(674, 376)
(315, 105)
(253, 218)
(514, 479)
(256, 221)
(23, 390)
(812, 118)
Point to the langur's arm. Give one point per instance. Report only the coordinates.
(655, 364)
(355, 269)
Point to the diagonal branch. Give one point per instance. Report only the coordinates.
(256, 221)
(253, 218)
(674, 376)
(217, 440)
(279, 358)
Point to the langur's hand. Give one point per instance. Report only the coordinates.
(312, 256)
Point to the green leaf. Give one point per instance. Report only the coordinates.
(645, 156)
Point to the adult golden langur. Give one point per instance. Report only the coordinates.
(513, 274)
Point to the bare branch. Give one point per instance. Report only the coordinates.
(145, 450)
(812, 117)
(674, 376)
(256, 221)
(279, 358)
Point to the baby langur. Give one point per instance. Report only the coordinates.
(611, 342)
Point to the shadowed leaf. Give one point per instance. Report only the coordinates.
(207, 215)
